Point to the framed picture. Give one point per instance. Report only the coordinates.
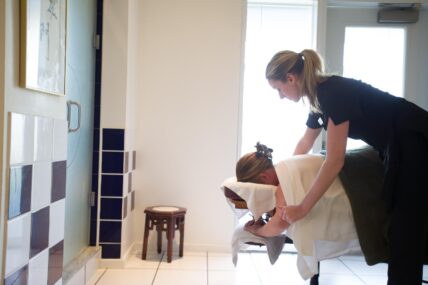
(43, 45)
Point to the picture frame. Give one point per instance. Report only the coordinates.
(43, 45)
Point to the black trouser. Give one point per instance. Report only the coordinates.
(408, 231)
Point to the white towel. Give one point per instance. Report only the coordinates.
(328, 230)
(241, 237)
(260, 198)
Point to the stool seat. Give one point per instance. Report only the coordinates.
(168, 219)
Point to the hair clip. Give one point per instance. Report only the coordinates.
(263, 151)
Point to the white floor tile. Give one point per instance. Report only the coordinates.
(253, 268)
(361, 268)
(374, 279)
(127, 276)
(180, 277)
(187, 262)
(223, 261)
(284, 269)
(337, 279)
(151, 262)
(238, 277)
(98, 274)
(334, 266)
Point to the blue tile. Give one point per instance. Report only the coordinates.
(112, 185)
(20, 190)
(93, 233)
(39, 231)
(55, 267)
(112, 162)
(111, 208)
(97, 116)
(95, 183)
(110, 231)
(113, 139)
(95, 162)
(20, 277)
(59, 169)
(96, 141)
(110, 250)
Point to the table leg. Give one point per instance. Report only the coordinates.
(159, 230)
(170, 237)
(146, 237)
(181, 228)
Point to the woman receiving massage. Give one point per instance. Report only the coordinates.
(350, 215)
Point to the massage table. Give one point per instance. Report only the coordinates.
(240, 204)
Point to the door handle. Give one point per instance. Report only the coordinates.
(70, 104)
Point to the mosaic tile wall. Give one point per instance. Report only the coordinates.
(117, 196)
(36, 200)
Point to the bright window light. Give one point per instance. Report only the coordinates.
(376, 56)
(274, 122)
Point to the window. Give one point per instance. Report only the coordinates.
(380, 63)
(265, 118)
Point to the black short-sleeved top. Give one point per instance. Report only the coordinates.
(373, 114)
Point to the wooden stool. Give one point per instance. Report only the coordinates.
(168, 219)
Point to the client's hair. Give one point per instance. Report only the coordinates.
(249, 167)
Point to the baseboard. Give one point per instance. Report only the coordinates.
(83, 267)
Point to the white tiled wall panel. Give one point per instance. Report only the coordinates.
(38, 268)
(35, 226)
(22, 139)
(18, 243)
(56, 218)
(43, 139)
(41, 185)
(60, 128)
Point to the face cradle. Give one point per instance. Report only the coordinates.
(287, 89)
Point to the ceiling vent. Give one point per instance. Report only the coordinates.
(398, 13)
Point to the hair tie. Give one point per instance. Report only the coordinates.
(263, 151)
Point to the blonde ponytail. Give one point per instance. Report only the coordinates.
(307, 65)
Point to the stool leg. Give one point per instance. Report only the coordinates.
(146, 237)
(159, 230)
(181, 227)
(170, 237)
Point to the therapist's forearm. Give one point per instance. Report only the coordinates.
(326, 175)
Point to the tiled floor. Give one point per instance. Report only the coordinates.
(207, 268)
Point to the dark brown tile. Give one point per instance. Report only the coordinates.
(39, 231)
(56, 254)
(59, 169)
(20, 277)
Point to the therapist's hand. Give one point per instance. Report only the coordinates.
(292, 214)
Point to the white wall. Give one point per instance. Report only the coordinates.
(188, 112)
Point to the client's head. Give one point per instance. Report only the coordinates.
(257, 167)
